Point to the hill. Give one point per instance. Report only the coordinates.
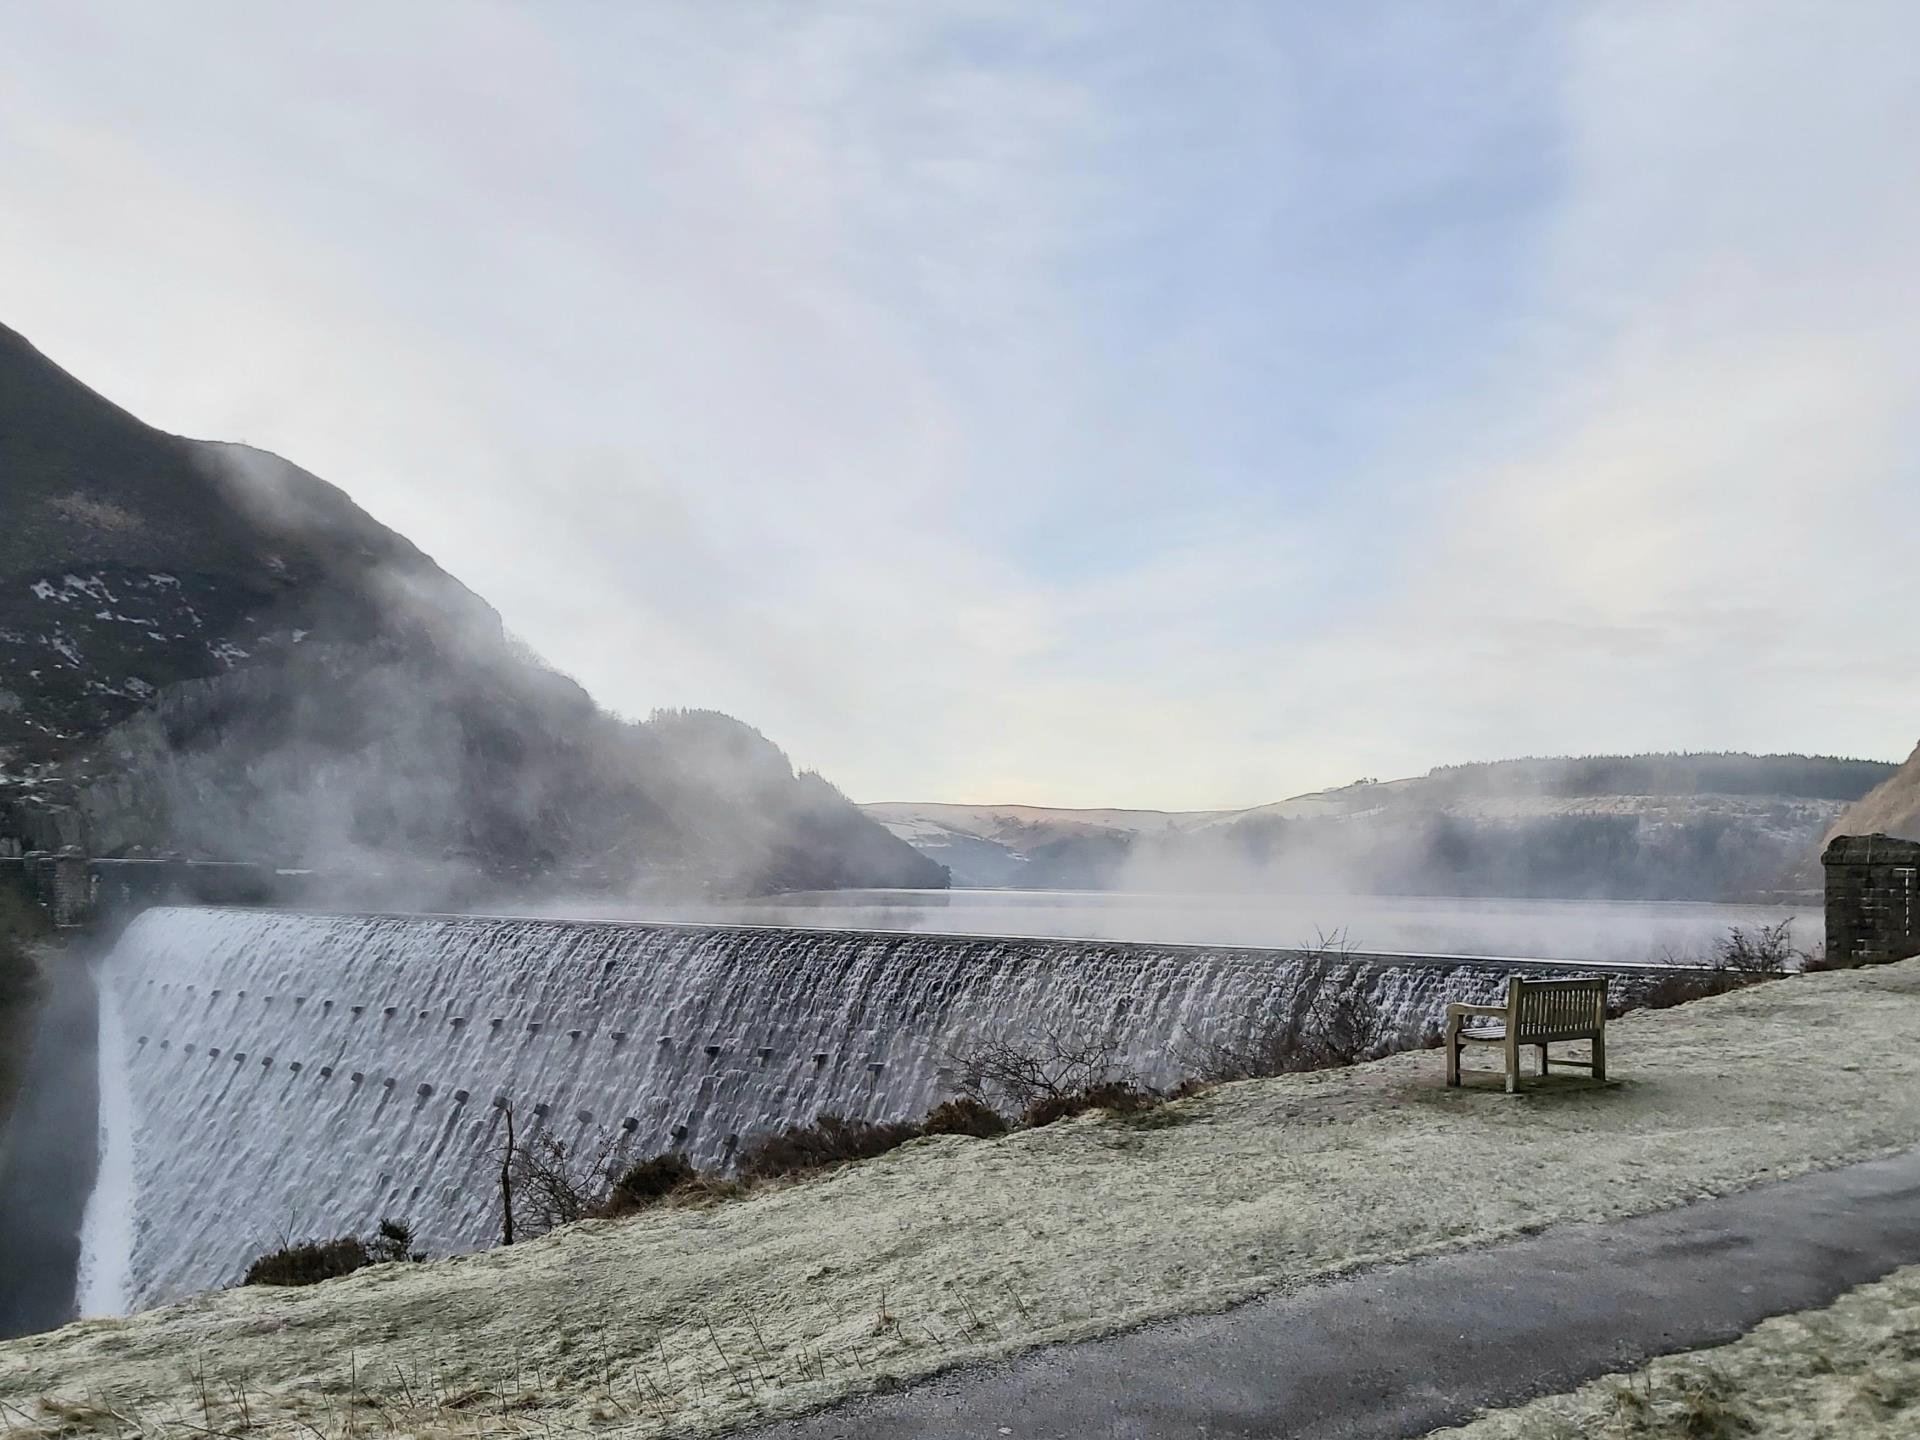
(208, 650)
(1891, 808)
(1671, 827)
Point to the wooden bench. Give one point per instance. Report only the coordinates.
(1537, 1013)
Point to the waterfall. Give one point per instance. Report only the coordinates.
(299, 1075)
(106, 1227)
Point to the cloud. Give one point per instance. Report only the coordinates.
(1101, 405)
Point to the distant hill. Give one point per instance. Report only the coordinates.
(1717, 826)
(206, 649)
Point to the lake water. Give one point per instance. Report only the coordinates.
(1549, 929)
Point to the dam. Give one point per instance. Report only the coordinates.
(269, 1075)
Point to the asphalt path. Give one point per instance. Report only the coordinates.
(1399, 1351)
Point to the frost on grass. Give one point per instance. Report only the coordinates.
(1851, 1369)
(698, 1319)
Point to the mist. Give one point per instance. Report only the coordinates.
(49, 1155)
(1673, 827)
(386, 737)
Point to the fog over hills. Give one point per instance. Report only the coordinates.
(206, 649)
(1661, 827)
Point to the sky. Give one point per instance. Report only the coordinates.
(1104, 403)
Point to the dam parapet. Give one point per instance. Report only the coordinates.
(303, 1073)
(76, 890)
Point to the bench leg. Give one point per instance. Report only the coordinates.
(1599, 1057)
(1543, 1058)
(1453, 1052)
(1513, 1064)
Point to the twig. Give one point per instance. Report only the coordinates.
(1019, 1304)
(723, 1354)
(240, 1395)
(972, 1314)
(756, 1333)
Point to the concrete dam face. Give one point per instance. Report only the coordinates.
(268, 1076)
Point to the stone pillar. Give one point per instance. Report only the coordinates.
(1873, 898)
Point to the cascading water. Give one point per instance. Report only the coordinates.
(298, 1075)
(106, 1228)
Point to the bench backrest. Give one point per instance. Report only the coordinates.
(1556, 1009)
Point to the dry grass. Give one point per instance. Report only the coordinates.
(1852, 1369)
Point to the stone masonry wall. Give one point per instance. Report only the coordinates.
(1873, 898)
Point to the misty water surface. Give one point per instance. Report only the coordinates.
(1614, 930)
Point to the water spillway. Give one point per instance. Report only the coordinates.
(295, 1075)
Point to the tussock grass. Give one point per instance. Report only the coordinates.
(1851, 1369)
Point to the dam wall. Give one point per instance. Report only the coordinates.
(298, 1075)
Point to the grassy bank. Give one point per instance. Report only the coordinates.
(954, 1249)
(1851, 1369)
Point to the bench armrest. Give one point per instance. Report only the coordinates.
(1459, 1009)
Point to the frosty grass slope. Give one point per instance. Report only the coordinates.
(954, 1249)
(1851, 1369)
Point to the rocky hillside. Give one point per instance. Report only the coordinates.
(1891, 808)
(207, 650)
(1629, 827)
(132, 559)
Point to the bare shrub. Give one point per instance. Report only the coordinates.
(1667, 991)
(1332, 1018)
(830, 1140)
(1761, 953)
(556, 1184)
(1339, 1017)
(647, 1183)
(964, 1116)
(308, 1262)
(1257, 1046)
(1740, 958)
(1046, 1062)
(392, 1241)
(1114, 1095)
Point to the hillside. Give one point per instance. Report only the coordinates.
(132, 559)
(208, 650)
(1891, 808)
(1671, 827)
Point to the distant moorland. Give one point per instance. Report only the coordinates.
(1648, 827)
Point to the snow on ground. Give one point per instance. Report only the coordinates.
(1851, 1369)
(954, 1250)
